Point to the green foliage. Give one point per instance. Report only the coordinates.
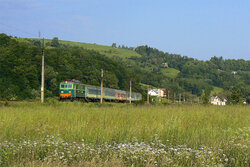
(55, 42)
(216, 90)
(20, 68)
(206, 95)
(157, 100)
(170, 72)
(235, 96)
(104, 50)
(194, 75)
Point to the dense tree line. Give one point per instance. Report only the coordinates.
(20, 69)
(196, 76)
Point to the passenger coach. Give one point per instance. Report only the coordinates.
(75, 90)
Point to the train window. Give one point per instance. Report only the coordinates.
(66, 86)
(62, 86)
(92, 91)
(69, 86)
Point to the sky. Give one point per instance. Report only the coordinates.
(195, 28)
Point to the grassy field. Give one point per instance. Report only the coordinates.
(105, 50)
(68, 134)
(170, 72)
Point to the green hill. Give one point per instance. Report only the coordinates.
(151, 66)
(106, 50)
(170, 72)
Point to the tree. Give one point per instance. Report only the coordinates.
(224, 95)
(206, 95)
(114, 45)
(20, 70)
(110, 80)
(248, 100)
(55, 42)
(235, 96)
(37, 43)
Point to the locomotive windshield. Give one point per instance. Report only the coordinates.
(66, 86)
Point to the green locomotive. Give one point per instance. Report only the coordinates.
(75, 90)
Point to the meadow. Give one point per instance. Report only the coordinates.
(78, 134)
(103, 49)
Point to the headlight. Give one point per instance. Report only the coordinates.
(69, 91)
(61, 91)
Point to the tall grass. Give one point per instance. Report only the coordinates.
(191, 125)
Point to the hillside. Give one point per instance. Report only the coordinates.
(102, 49)
(20, 59)
(127, 56)
(20, 68)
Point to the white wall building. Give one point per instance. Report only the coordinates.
(156, 92)
(215, 100)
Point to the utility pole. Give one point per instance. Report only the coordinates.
(147, 98)
(101, 86)
(42, 79)
(174, 97)
(130, 91)
(179, 98)
(168, 94)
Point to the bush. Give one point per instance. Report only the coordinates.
(52, 100)
(157, 100)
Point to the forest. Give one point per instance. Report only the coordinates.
(20, 70)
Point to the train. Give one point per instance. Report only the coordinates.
(74, 90)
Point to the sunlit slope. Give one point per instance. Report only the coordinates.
(110, 51)
(170, 72)
(106, 50)
(216, 90)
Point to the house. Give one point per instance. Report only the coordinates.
(153, 92)
(165, 65)
(215, 100)
(234, 72)
(156, 92)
